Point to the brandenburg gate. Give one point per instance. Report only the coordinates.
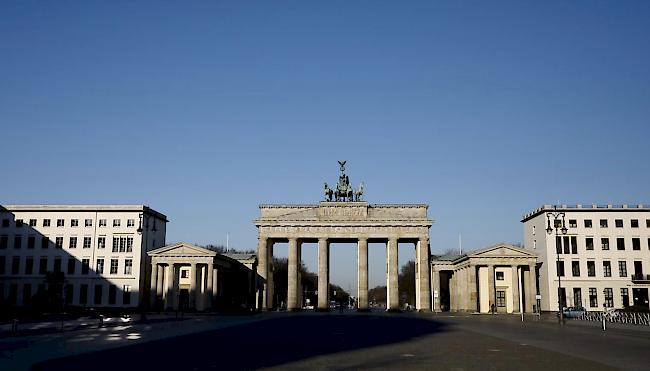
(344, 218)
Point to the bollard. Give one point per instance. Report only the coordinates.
(604, 326)
(101, 321)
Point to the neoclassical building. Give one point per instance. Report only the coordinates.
(189, 277)
(503, 275)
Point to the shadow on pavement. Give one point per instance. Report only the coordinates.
(271, 342)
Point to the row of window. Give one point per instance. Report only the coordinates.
(604, 223)
(591, 268)
(71, 268)
(569, 244)
(69, 294)
(120, 243)
(608, 296)
(73, 222)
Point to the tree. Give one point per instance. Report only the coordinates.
(406, 282)
(377, 296)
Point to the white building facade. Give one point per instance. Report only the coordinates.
(91, 255)
(603, 260)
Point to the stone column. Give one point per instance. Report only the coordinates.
(192, 295)
(435, 276)
(209, 286)
(170, 303)
(292, 275)
(154, 283)
(424, 285)
(531, 289)
(270, 289)
(362, 274)
(323, 275)
(453, 301)
(473, 290)
(491, 288)
(392, 276)
(215, 283)
(515, 289)
(262, 269)
(160, 285)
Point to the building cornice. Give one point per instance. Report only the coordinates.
(92, 208)
(585, 208)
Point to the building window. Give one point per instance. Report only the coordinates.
(587, 223)
(15, 265)
(609, 298)
(101, 242)
(74, 222)
(607, 268)
(634, 223)
(573, 223)
(18, 242)
(186, 274)
(636, 243)
(4, 242)
(605, 243)
(116, 244)
(558, 244)
(87, 242)
(574, 245)
(589, 243)
(5, 223)
(98, 294)
(130, 223)
(567, 248)
(42, 266)
(60, 223)
(100, 265)
(46, 222)
(501, 298)
(593, 298)
(114, 264)
(19, 223)
(498, 274)
(620, 243)
(618, 223)
(29, 265)
(647, 223)
(31, 242)
(625, 297)
(72, 265)
(32, 222)
(73, 243)
(45, 242)
(591, 269)
(603, 223)
(88, 223)
(128, 266)
(83, 293)
(57, 264)
(129, 244)
(560, 268)
(68, 293)
(59, 242)
(85, 265)
(126, 295)
(575, 269)
(112, 294)
(622, 269)
(116, 222)
(577, 297)
(3, 261)
(534, 244)
(27, 294)
(102, 222)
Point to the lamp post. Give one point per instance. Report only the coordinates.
(559, 227)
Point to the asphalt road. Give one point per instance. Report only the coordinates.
(379, 341)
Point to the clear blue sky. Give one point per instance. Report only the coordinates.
(203, 110)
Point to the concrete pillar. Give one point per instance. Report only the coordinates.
(262, 269)
(515, 289)
(209, 287)
(392, 275)
(192, 294)
(270, 289)
(292, 275)
(491, 288)
(323, 274)
(154, 283)
(463, 290)
(531, 288)
(423, 273)
(170, 301)
(362, 274)
(215, 283)
(472, 294)
(453, 301)
(435, 276)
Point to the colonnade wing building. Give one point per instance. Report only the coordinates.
(343, 221)
(602, 261)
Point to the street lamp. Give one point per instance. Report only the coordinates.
(558, 226)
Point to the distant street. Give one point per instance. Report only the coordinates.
(336, 341)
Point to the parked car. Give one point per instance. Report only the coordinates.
(573, 312)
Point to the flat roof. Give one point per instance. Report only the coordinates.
(580, 207)
(139, 208)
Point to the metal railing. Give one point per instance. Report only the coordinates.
(617, 317)
(640, 277)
